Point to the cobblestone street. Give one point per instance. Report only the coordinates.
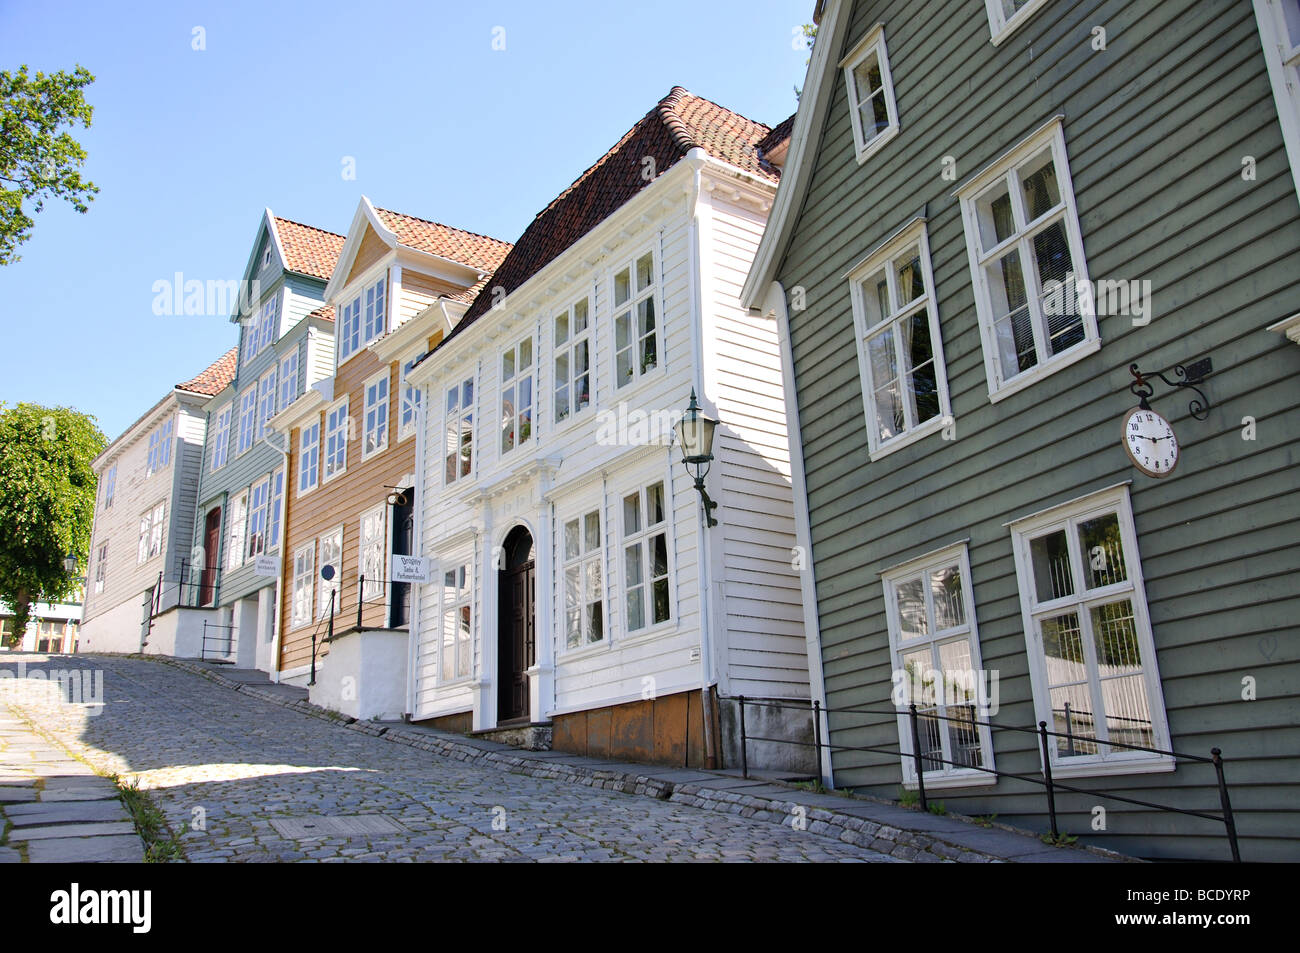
(225, 768)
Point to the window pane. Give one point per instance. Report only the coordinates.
(910, 283)
(1038, 182)
(658, 555)
(635, 609)
(508, 365)
(1058, 291)
(571, 539)
(562, 329)
(875, 298)
(592, 532)
(1103, 550)
(622, 287)
(1050, 555)
(946, 591)
(1063, 649)
(1128, 714)
(922, 383)
(661, 600)
(1012, 329)
(911, 609)
(633, 558)
(525, 354)
(1072, 717)
(654, 495)
(596, 621)
(645, 271)
(993, 209)
(883, 358)
(580, 316)
(631, 514)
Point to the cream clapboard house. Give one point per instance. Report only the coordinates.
(574, 586)
(144, 522)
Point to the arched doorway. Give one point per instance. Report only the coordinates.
(516, 624)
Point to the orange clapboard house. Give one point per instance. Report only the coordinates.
(401, 283)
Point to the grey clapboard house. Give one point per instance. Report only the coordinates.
(286, 344)
(987, 213)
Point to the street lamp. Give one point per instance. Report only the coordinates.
(695, 434)
(70, 564)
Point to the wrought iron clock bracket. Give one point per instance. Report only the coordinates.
(1184, 376)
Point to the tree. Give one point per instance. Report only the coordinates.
(809, 37)
(37, 160)
(47, 502)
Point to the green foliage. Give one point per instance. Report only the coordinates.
(47, 502)
(986, 820)
(908, 798)
(37, 160)
(161, 843)
(937, 807)
(810, 35)
(1064, 840)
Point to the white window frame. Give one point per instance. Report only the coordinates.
(630, 308)
(304, 585)
(259, 517)
(334, 441)
(275, 511)
(289, 379)
(373, 536)
(1002, 26)
(641, 538)
(266, 396)
(1281, 43)
(110, 486)
(101, 567)
(587, 561)
(463, 418)
(455, 602)
(921, 569)
(247, 420)
(1066, 517)
(1005, 171)
(513, 409)
(221, 437)
(151, 533)
(567, 383)
(160, 448)
(408, 410)
(873, 42)
(363, 319)
(267, 323)
(330, 544)
(309, 457)
(887, 257)
(236, 529)
(379, 409)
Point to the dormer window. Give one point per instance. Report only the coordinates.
(362, 320)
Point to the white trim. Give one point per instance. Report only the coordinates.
(341, 403)
(873, 42)
(1001, 26)
(628, 263)
(385, 375)
(1283, 76)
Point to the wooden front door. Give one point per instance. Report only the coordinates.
(516, 626)
(211, 543)
(399, 612)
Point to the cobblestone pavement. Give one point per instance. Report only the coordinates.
(223, 766)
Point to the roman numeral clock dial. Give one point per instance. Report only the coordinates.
(1150, 443)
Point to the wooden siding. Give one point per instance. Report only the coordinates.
(1155, 130)
(371, 249)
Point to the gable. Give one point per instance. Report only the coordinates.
(371, 249)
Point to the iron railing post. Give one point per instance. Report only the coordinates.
(916, 755)
(1069, 732)
(203, 651)
(744, 740)
(817, 736)
(1228, 821)
(1047, 775)
(361, 593)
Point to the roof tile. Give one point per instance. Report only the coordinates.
(215, 377)
(308, 250)
(476, 251)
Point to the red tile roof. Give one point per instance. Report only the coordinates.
(214, 379)
(476, 251)
(779, 134)
(325, 314)
(678, 123)
(308, 250)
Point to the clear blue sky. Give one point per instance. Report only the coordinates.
(188, 147)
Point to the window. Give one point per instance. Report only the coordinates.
(936, 660)
(289, 379)
(410, 406)
(265, 401)
(361, 320)
(267, 324)
(1007, 16)
(336, 440)
(456, 623)
(584, 604)
(516, 395)
(1088, 634)
(247, 420)
(266, 257)
(331, 554)
(151, 533)
(900, 354)
(375, 437)
(1279, 32)
(372, 553)
(459, 451)
(110, 486)
(572, 360)
(221, 437)
(237, 528)
(304, 574)
(308, 456)
(871, 93)
(645, 557)
(1026, 258)
(160, 448)
(101, 567)
(636, 327)
(259, 516)
(276, 510)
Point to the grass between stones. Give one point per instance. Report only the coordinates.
(161, 844)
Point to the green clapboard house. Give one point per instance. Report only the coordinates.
(988, 212)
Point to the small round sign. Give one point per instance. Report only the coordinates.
(327, 572)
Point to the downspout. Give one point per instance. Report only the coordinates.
(284, 543)
(697, 157)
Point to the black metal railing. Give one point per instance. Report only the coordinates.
(378, 597)
(935, 758)
(211, 637)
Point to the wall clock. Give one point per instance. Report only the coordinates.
(1149, 442)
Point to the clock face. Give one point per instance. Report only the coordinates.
(1150, 442)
